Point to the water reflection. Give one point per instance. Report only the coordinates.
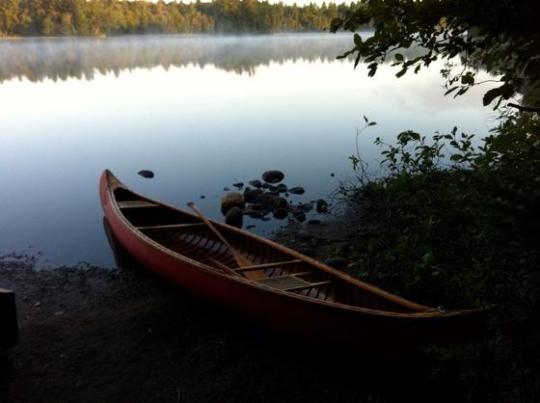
(60, 59)
(175, 105)
(83, 58)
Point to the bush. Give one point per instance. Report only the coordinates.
(458, 226)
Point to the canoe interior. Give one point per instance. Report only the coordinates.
(187, 235)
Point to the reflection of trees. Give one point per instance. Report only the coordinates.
(60, 59)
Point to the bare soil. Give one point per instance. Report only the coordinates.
(96, 335)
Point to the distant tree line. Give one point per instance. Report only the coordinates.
(116, 17)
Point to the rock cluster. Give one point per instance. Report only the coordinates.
(265, 199)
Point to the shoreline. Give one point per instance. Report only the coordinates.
(91, 335)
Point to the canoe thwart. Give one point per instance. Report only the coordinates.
(136, 204)
(283, 282)
(266, 265)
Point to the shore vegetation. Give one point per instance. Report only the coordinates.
(117, 17)
(454, 222)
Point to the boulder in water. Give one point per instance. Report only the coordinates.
(280, 213)
(273, 176)
(298, 190)
(146, 173)
(322, 206)
(235, 217)
(231, 200)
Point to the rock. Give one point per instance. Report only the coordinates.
(226, 189)
(250, 226)
(280, 213)
(322, 206)
(272, 201)
(274, 176)
(251, 195)
(300, 216)
(256, 183)
(238, 185)
(337, 262)
(298, 190)
(304, 235)
(314, 222)
(332, 174)
(306, 250)
(281, 188)
(254, 214)
(265, 185)
(234, 217)
(145, 173)
(265, 219)
(203, 197)
(306, 207)
(231, 200)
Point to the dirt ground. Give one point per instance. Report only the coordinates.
(95, 335)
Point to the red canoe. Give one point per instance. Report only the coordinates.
(281, 288)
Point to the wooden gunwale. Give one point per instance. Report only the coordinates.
(424, 311)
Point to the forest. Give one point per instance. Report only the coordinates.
(117, 17)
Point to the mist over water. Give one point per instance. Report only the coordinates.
(200, 111)
(83, 58)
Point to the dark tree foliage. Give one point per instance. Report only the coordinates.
(110, 17)
(458, 225)
(501, 36)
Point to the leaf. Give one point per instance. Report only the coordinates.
(451, 90)
(366, 119)
(372, 124)
(492, 94)
(467, 79)
(399, 57)
(462, 91)
(357, 40)
(401, 72)
(372, 69)
(357, 60)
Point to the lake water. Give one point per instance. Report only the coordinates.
(200, 111)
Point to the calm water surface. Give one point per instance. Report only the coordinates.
(200, 111)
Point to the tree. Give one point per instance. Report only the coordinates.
(9, 16)
(499, 36)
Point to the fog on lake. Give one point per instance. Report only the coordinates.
(201, 112)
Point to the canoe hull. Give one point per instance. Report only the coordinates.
(303, 318)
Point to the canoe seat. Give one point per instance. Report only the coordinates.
(308, 285)
(283, 282)
(136, 204)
